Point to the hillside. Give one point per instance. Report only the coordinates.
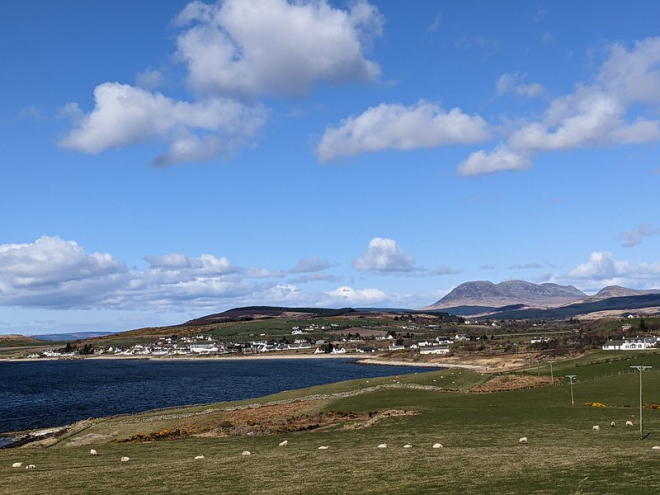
(512, 292)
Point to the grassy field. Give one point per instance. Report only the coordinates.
(479, 434)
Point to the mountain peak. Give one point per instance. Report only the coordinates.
(510, 292)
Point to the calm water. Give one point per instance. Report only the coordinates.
(54, 393)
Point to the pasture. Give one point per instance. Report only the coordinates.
(479, 434)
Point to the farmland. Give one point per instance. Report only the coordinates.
(479, 433)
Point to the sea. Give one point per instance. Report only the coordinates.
(42, 394)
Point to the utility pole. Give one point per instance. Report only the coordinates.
(641, 370)
(571, 377)
(552, 375)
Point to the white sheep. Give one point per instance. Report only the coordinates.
(245, 452)
(629, 423)
(612, 424)
(437, 445)
(655, 447)
(125, 459)
(284, 443)
(595, 428)
(199, 457)
(382, 446)
(407, 446)
(93, 452)
(17, 465)
(30, 466)
(323, 447)
(522, 440)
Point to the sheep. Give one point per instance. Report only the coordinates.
(612, 424)
(522, 440)
(125, 459)
(655, 447)
(437, 445)
(595, 428)
(245, 452)
(407, 446)
(93, 452)
(30, 466)
(629, 423)
(323, 447)
(199, 457)
(382, 446)
(284, 443)
(17, 465)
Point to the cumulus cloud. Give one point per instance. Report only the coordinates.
(124, 115)
(611, 111)
(634, 237)
(603, 269)
(349, 296)
(311, 265)
(253, 48)
(509, 83)
(149, 79)
(52, 272)
(384, 255)
(500, 159)
(394, 126)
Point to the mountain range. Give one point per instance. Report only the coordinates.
(484, 296)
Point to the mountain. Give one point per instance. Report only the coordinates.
(618, 291)
(512, 292)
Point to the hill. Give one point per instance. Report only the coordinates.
(512, 292)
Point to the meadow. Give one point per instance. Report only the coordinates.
(479, 433)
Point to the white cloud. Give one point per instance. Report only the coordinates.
(634, 237)
(310, 265)
(633, 75)
(276, 47)
(126, 115)
(384, 255)
(350, 296)
(603, 269)
(53, 272)
(498, 160)
(508, 83)
(394, 126)
(608, 112)
(149, 79)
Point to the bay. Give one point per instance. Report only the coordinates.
(40, 394)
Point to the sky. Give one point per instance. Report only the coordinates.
(161, 161)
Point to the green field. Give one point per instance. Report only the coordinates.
(479, 434)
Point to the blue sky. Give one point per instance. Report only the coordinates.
(162, 161)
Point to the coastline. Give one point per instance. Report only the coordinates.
(253, 357)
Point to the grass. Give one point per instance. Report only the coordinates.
(479, 432)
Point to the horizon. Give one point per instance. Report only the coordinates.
(165, 163)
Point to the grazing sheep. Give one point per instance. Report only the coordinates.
(245, 452)
(612, 424)
(522, 440)
(382, 446)
(407, 446)
(284, 443)
(629, 423)
(437, 445)
(655, 447)
(17, 464)
(199, 457)
(595, 428)
(323, 447)
(30, 466)
(125, 459)
(93, 452)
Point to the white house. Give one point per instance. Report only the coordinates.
(635, 344)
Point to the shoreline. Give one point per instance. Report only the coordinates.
(360, 359)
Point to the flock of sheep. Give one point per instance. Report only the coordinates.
(284, 443)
